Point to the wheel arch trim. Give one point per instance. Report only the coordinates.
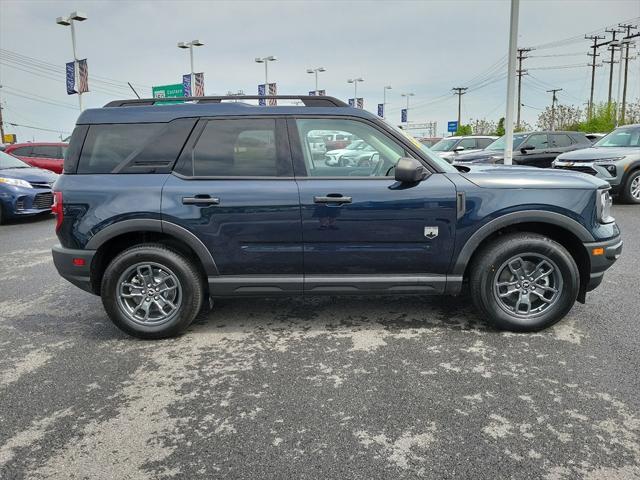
(515, 218)
(160, 226)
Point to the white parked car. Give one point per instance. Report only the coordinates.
(449, 147)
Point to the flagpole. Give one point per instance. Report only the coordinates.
(75, 62)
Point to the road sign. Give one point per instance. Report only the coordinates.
(452, 127)
(167, 91)
(9, 138)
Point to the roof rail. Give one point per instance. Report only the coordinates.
(308, 100)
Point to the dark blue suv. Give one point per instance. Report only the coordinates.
(163, 207)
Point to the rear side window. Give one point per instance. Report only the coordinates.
(46, 151)
(560, 140)
(110, 146)
(484, 142)
(236, 148)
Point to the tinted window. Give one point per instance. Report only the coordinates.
(538, 141)
(236, 148)
(22, 151)
(46, 151)
(108, 146)
(560, 140)
(484, 142)
(468, 143)
(370, 153)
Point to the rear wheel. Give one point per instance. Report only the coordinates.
(1, 215)
(151, 291)
(524, 282)
(631, 189)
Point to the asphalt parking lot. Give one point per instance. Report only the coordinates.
(321, 388)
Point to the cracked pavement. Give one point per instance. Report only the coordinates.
(326, 387)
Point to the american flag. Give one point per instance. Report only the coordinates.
(273, 90)
(360, 102)
(83, 76)
(198, 90)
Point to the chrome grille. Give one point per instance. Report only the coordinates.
(575, 168)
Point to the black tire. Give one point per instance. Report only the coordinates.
(190, 288)
(490, 262)
(625, 192)
(1, 215)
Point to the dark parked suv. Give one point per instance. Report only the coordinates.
(162, 207)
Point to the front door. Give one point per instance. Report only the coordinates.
(233, 188)
(540, 156)
(362, 230)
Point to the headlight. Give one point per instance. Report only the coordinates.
(603, 206)
(16, 182)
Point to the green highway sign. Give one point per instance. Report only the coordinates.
(167, 91)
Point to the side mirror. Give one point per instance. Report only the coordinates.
(410, 170)
(526, 148)
(458, 149)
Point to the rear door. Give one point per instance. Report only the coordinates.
(364, 231)
(233, 187)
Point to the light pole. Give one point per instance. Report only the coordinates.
(407, 95)
(384, 101)
(316, 71)
(266, 61)
(511, 81)
(190, 45)
(355, 89)
(68, 22)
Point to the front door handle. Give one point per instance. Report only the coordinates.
(332, 198)
(201, 200)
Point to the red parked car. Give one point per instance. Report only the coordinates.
(49, 156)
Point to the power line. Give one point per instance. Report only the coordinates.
(36, 128)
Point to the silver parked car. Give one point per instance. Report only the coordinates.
(449, 147)
(614, 158)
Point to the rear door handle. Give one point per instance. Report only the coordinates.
(201, 200)
(332, 198)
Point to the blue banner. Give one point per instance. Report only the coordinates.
(71, 78)
(352, 102)
(403, 115)
(452, 126)
(262, 91)
(186, 84)
(381, 110)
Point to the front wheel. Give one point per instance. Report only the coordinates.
(150, 291)
(524, 282)
(631, 189)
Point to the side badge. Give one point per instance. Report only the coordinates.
(431, 232)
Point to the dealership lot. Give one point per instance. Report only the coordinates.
(389, 387)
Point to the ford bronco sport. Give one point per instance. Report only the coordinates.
(163, 207)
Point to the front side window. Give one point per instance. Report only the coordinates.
(537, 141)
(499, 143)
(468, 143)
(484, 142)
(236, 148)
(370, 153)
(22, 151)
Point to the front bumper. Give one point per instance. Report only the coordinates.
(79, 275)
(600, 263)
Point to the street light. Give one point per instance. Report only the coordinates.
(384, 101)
(316, 70)
(266, 61)
(68, 22)
(355, 88)
(407, 95)
(190, 45)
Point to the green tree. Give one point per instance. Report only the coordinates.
(500, 128)
(603, 119)
(464, 130)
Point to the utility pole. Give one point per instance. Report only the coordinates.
(1, 122)
(628, 29)
(511, 80)
(553, 106)
(613, 32)
(460, 91)
(521, 72)
(593, 66)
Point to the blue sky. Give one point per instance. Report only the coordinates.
(424, 47)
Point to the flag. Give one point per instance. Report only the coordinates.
(360, 102)
(273, 90)
(321, 92)
(186, 84)
(198, 87)
(352, 102)
(261, 91)
(381, 110)
(83, 76)
(403, 115)
(71, 78)
(312, 93)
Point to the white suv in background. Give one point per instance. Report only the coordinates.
(449, 147)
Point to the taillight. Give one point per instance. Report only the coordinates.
(57, 209)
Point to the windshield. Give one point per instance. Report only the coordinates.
(499, 143)
(622, 137)
(444, 145)
(8, 161)
(441, 162)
